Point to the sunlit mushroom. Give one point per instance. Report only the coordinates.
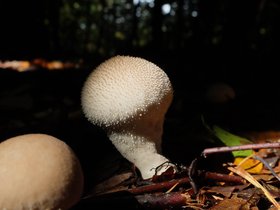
(129, 97)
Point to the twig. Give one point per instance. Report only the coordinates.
(162, 200)
(191, 175)
(124, 200)
(267, 166)
(213, 150)
(224, 178)
(158, 186)
(168, 184)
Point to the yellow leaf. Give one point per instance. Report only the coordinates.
(250, 165)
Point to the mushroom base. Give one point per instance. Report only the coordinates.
(141, 152)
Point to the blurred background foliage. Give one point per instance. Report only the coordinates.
(87, 28)
(217, 40)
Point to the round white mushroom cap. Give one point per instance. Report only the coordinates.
(130, 96)
(124, 87)
(38, 171)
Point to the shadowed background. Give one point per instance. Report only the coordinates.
(197, 43)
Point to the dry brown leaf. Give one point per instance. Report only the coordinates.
(232, 204)
(241, 172)
(226, 191)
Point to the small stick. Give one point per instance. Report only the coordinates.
(267, 166)
(191, 175)
(213, 150)
(158, 186)
(162, 200)
(168, 184)
(224, 178)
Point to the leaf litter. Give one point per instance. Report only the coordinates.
(250, 182)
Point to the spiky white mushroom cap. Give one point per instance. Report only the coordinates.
(123, 87)
(130, 96)
(38, 171)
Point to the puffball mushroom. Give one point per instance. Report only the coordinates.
(38, 171)
(129, 97)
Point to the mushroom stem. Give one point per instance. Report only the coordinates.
(140, 151)
(139, 140)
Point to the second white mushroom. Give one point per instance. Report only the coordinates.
(129, 97)
(39, 171)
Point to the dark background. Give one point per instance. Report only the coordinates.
(197, 42)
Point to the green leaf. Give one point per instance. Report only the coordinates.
(232, 140)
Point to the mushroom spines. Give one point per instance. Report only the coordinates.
(123, 87)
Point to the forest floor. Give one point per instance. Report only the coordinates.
(48, 102)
